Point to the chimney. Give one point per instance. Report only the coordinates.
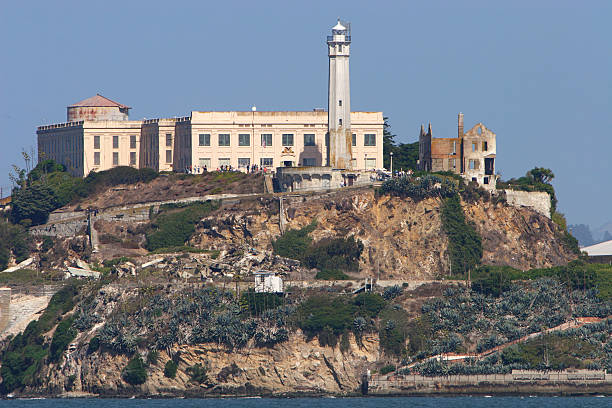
(460, 125)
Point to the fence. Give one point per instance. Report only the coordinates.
(517, 376)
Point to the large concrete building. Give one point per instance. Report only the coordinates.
(271, 139)
(471, 154)
(99, 136)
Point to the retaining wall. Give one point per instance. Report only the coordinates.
(536, 200)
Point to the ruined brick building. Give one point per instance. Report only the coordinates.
(470, 154)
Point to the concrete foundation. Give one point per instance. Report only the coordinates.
(321, 178)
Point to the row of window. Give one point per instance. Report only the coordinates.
(244, 139)
(116, 158)
(370, 163)
(116, 142)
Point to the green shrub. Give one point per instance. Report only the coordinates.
(94, 345)
(392, 331)
(331, 313)
(135, 373)
(369, 304)
(62, 337)
(48, 187)
(419, 332)
(332, 256)
(464, 243)
(332, 274)
(47, 243)
(197, 373)
(419, 188)
(260, 302)
(294, 243)
(172, 227)
(387, 369)
(152, 357)
(493, 280)
(15, 240)
(170, 369)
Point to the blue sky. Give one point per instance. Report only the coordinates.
(537, 73)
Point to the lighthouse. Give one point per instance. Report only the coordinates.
(339, 97)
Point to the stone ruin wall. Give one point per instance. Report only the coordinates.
(536, 200)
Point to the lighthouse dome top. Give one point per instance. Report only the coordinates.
(339, 27)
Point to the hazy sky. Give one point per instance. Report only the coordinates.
(537, 73)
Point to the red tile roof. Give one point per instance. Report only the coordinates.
(97, 101)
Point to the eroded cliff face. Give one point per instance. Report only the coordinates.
(295, 366)
(402, 239)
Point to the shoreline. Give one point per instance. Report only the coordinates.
(498, 390)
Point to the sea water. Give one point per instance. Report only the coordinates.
(372, 402)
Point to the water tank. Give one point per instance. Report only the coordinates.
(97, 108)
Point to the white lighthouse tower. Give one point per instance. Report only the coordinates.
(339, 100)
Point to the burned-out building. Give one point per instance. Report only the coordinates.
(471, 154)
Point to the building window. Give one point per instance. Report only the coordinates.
(132, 158)
(369, 139)
(244, 162)
(169, 139)
(340, 122)
(354, 140)
(340, 102)
(96, 142)
(354, 163)
(370, 164)
(115, 142)
(309, 139)
(266, 139)
(474, 164)
(204, 139)
(327, 140)
(266, 162)
(244, 139)
(132, 142)
(204, 162)
(486, 180)
(454, 147)
(310, 162)
(224, 140)
(224, 162)
(485, 147)
(115, 158)
(287, 139)
(474, 146)
(339, 47)
(96, 158)
(168, 156)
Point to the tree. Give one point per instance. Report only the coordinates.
(541, 175)
(405, 155)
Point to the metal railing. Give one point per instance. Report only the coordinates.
(347, 38)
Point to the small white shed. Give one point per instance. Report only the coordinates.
(268, 282)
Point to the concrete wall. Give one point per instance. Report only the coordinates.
(5, 302)
(536, 200)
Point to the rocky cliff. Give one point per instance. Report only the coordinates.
(402, 239)
(295, 366)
